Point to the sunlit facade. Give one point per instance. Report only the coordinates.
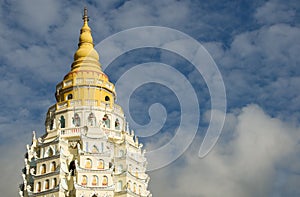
(87, 149)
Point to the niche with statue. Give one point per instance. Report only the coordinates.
(106, 121)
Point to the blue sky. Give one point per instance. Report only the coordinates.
(255, 45)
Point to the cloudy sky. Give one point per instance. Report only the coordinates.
(255, 45)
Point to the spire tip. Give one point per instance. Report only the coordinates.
(85, 14)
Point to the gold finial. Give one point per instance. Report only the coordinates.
(86, 46)
(85, 15)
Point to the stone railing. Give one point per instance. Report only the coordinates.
(71, 132)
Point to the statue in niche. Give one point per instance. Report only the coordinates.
(91, 119)
(106, 121)
(76, 120)
(50, 152)
(104, 181)
(88, 163)
(100, 164)
(54, 182)
(47, 184)
(84, 180)
(117, 124)
(53, 166)
(62, 122)
(95, 180)
(39, 185)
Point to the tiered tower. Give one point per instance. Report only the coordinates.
(87, 149)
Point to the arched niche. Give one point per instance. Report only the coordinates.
(104, 180)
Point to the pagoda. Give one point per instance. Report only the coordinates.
(88, 149)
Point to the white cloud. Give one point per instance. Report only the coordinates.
(11, 164)
(245, 162)
(261, 66)
(37, 16)
(15, 133)
(275, 12)
(276, 43)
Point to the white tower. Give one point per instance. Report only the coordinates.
(87, 149)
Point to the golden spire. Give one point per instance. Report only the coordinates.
(85, 49)
(85, 32)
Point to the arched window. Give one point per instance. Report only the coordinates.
(46, 184)
(95, 149)
(88, 163)
(38, 186)
(137, 172)
(70, 96)
(134, 187)
(129, 185)
(54, 183)
(53, 166)
(91, 119)
(43, 168)
(50, 152)
(119, 186)
(95, 180)
(84, 180)
(104, 181)
(39, 153)
(62, 122)
(72, 168)
(100, 164)
(140, 189)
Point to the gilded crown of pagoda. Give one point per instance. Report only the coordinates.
(86, 81)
